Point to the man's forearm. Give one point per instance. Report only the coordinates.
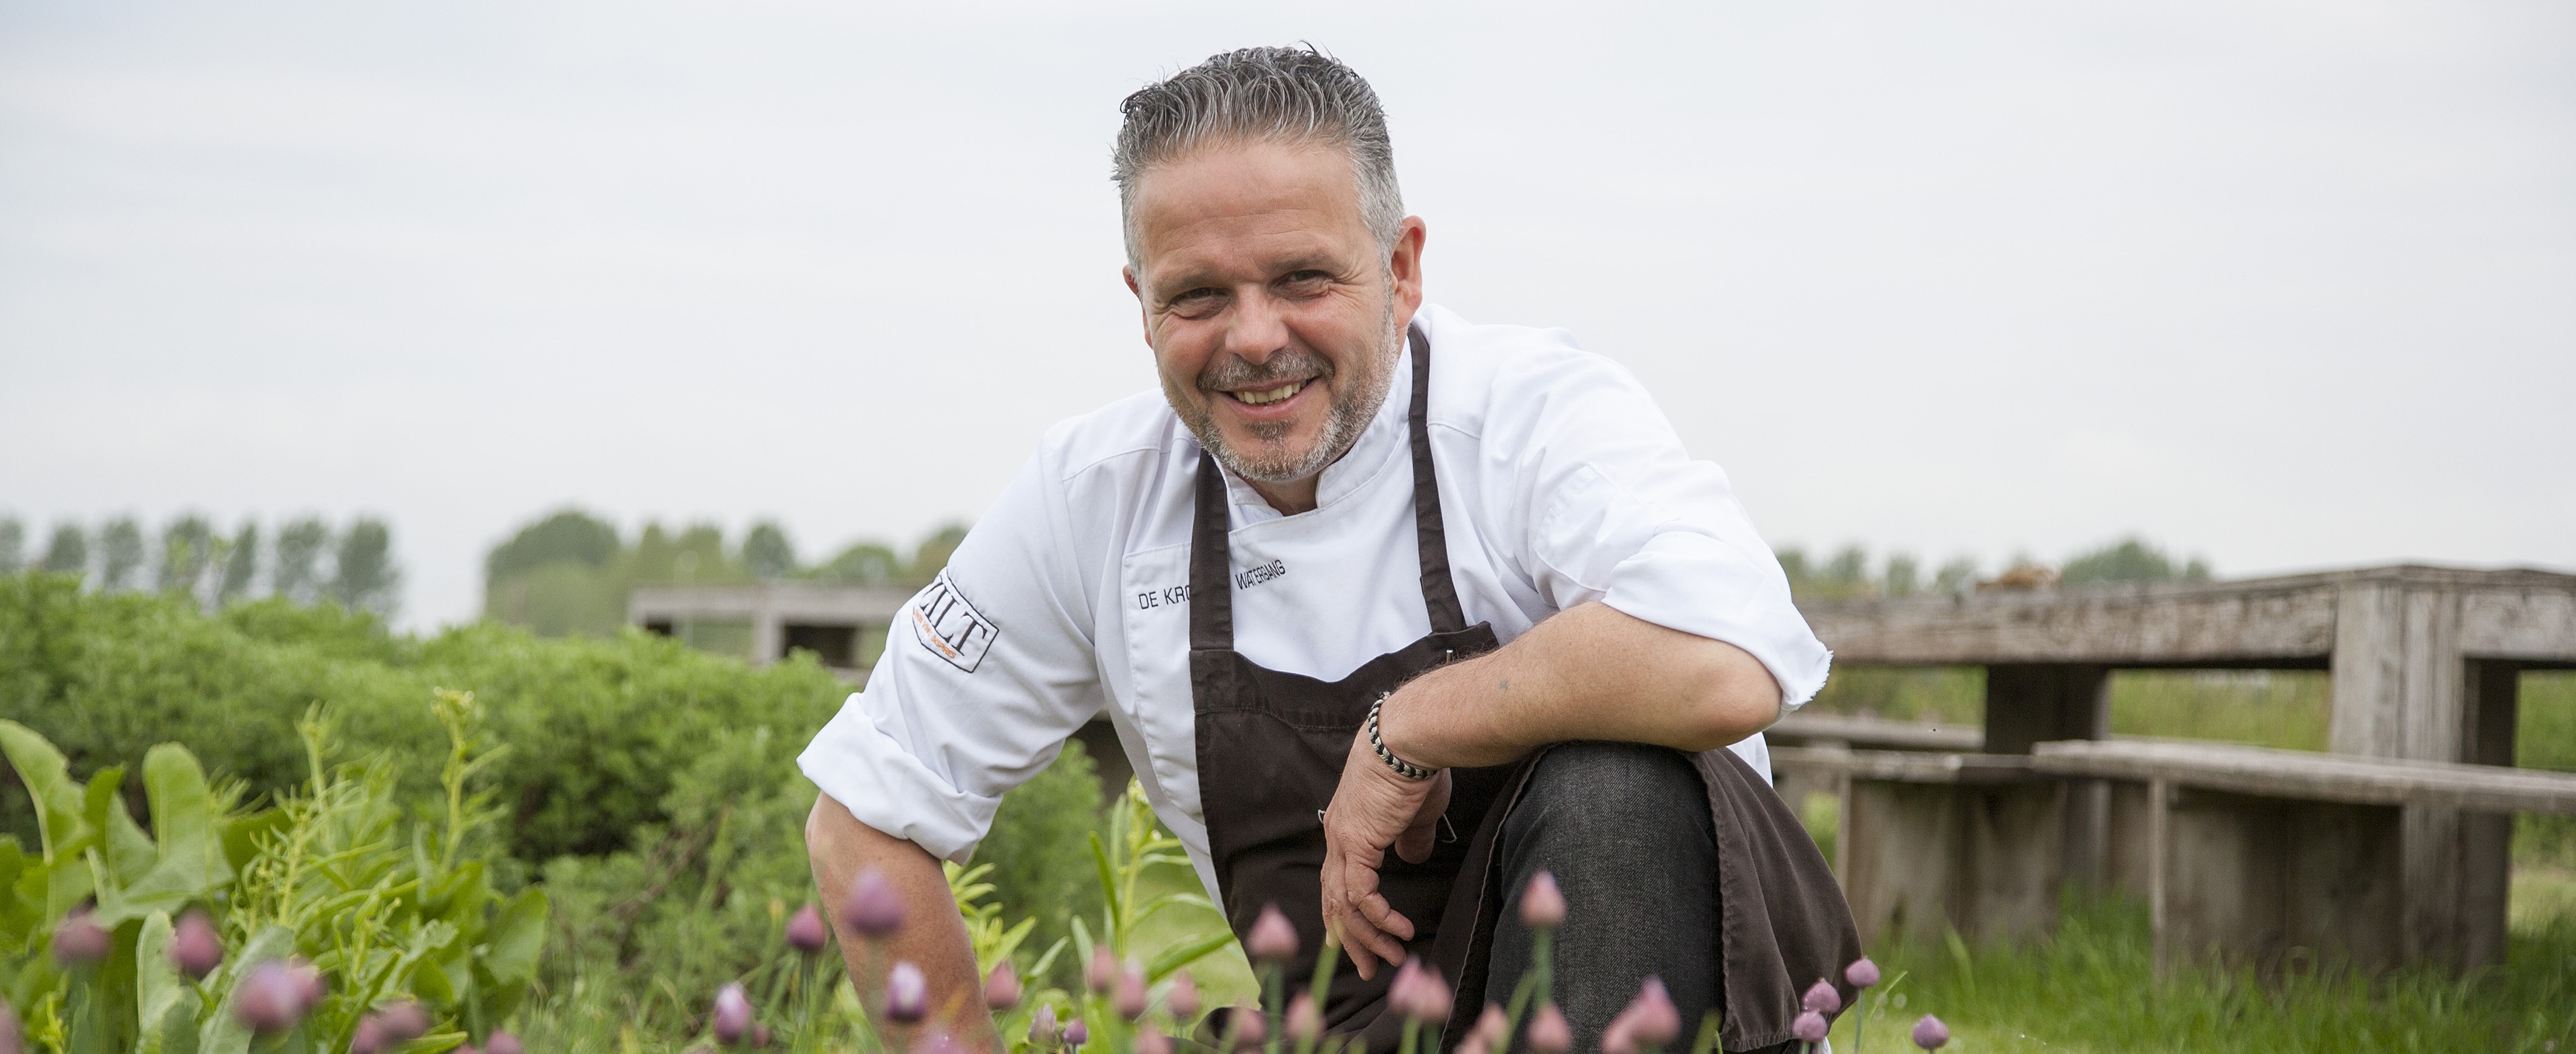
(933, 936)
(1590, 672)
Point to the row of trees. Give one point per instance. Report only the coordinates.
(569, 573)
(305, 561)
(1848, 574)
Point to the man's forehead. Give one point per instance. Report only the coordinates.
(1222, 204)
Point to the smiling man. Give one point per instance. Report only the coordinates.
(1391, 611)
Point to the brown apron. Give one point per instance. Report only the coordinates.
(1270, 752)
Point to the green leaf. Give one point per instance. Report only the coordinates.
(1108, 889)
(516, 938)
(1183, 954)
(158, 991)
(59, 819)
(191, 862)
(1171, 900)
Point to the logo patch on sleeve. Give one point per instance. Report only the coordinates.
(950, 627)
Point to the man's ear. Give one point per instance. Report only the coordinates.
(1142, 322)
(1405, 263)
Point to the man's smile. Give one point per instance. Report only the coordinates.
(1267, 396)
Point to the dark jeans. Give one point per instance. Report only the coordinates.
(1625, 829)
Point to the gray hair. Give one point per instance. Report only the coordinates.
(1295, 95)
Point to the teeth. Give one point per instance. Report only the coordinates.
(1267, 396)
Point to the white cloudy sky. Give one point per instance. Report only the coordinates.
(2287, 284)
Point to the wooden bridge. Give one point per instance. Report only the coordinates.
(2392, 848)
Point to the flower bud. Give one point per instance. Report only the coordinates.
(1474, 1044)
(733, 1014)
(1809, 1027)
(194, 947)
(1620, 1037)
(501, 1042)
(1542, 904)
(1822, 998)
(907, 994)
(309, 985)
(1153, 1041)
(11, 1040)
(1101, 973)
(1002, 987)
(369, 1036)
(1652, 1017)
(1076, 1033)
(1042, 1027)
(271, 998)
(1182, 999)
(1273, 939)
(1419, 993)
(1304, 1022)
(874, 908)
(1128, 995)
(759, 1034)
(80, 942)
(1245, 1027)
(404, 1021)
(1930, 1033)
(1549, 1033)
(806, 932)
(1862, 973)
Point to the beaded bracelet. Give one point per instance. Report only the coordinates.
(1402, 767)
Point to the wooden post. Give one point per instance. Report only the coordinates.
(2486, 839)
(2245, 879)
(2031, 703)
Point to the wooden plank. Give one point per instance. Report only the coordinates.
(2320, 777)
(2267, 881)
(2533, 624)
(1872, 733)
(1909, 766)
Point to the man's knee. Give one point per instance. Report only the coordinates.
(1595, 791)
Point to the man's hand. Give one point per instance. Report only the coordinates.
(1373, 809)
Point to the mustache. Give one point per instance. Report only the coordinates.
(1229, 373)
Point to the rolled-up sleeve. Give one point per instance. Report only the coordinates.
(1620, 513)
(985, 673)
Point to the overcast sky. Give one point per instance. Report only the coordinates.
(2288, 285)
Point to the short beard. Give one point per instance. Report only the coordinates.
(1353, 408)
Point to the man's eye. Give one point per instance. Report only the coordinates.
(1194, 299)
(1305, 281)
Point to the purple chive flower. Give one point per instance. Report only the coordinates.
(1153, 1041)
(1245, 1027)
(271, 999)
(80, 942)
(1274, 938)
(1542, 904)
(806, 932)
(1822, 998)
(759, 1034)
(194, 947)
(369, 1037)
(1077, 1033)
(1862, 973)
(501, 1042)
(1809, 1027)
(1492, 1025)
(11, 1042)
(1101, 973)
(309, 985)
(1620, 1037)
(874, 908)
(1549, 1033)
(466, 1048)
(1182, 999)
(907, 994)
(1128, 995)
(1002, 987)
(1304, 1021)
(1042, 1027)
(1652, 1017)
(1419, 993)
(1930, 1033)
(404, 1021)
(733, 1014)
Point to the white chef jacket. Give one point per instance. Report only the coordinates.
(1561, 482)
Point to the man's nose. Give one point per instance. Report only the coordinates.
(1259, 328)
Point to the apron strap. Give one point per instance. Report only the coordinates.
(1211, 557)
(1211, 551)
(1439, 593)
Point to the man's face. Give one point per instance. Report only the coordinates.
(1271, 309)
